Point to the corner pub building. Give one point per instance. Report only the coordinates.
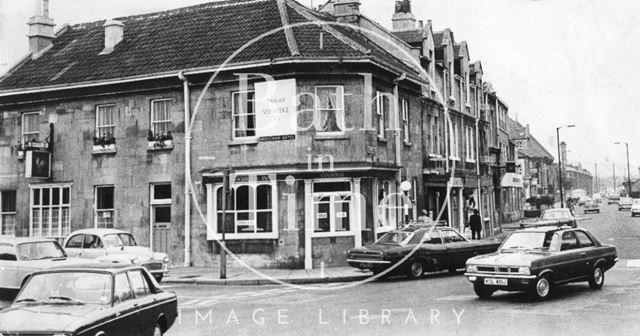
(136, 119)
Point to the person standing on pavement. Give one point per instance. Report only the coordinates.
(476, 224)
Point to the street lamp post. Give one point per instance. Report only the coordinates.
(628, 168)
(560, 163)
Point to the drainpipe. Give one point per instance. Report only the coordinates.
(187, 170)
(396, 117)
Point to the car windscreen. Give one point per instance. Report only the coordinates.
(545, 241)
(40, 250)
(393, 238)
(67, 288)
(118, 239)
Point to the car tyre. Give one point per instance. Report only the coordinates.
(541, 288)
(482, 291)
(597, 278)
(416, 269)
(157, 331)
(158, 277)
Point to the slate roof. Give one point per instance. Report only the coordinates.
(191, 38)
(530, 148)
(410, 36)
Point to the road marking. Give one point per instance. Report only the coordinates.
(633, 263)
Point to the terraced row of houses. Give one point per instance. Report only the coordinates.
(315, 117)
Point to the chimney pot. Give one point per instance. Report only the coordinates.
(113, 34)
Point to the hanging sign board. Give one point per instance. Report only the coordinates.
(38, 165)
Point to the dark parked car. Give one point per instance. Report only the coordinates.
(558, 216)
(98, 300)
(442, 248)
(534, 260)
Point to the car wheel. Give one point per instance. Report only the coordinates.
(415, 270)
(158, 277)
(157, 331)
(542, 288)
(482, 291)
(597, 278)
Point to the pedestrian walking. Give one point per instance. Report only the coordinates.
(476, 224)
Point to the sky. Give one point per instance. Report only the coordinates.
(554, 62)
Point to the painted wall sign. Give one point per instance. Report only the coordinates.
(276, 110)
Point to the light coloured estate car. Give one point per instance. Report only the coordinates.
(21, 256)
(635, 207)
(115, 246)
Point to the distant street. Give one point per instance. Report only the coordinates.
(440, 304)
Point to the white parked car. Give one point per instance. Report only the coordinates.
(115, 246)
(635, 207)
(21, 256)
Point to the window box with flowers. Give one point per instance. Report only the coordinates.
(104, 144)
(159, 141)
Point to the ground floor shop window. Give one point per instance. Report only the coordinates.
(251, 211)
(105, 210)
(332, 203)
(50, 211)
(7, 213)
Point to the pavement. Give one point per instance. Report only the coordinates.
(238, 275)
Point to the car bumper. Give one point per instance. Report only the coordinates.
(368, 264)
(156, 267)
(508, 282)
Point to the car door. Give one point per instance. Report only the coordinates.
(458, 248)
(571, 261)
(8, 266)
(588, 252)
(73, 246)
(93, 247)
(147, 303)
(125, 319)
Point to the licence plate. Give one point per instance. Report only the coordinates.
(496, 282)
(365, 265)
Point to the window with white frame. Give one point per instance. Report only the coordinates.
(405, 120)
(244, 115)
(386, 206)
(250, 210)
(329, 109)
(455, 144)
(7, 212)
(160, 117)
(105, 121)
(50, 211)
(332, 207)
(160, 204)
(470, 144)
(104, 207)
(30, 126)
(382, 112)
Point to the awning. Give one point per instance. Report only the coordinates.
(512, 180)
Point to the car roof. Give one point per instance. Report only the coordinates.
(549, 228)
(557, 210)
(100, 232)
(21, 240)
(93, 267)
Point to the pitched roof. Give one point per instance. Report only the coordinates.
(438, 37)
(410, 36)
(192, 38)
(531, 147)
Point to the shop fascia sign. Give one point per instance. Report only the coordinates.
(275, 109)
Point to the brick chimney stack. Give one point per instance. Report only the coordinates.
(40, 28)
(403, 19)
(347, 11)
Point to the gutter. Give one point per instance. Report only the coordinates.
(187, 170)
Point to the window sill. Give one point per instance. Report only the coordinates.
(383, 140)
(160, 145)
(470, 160)
(108, 149)
(454, 158)
(330, 136)
(243, 141)
(407, 143)
(243, 236)
(332, 234)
